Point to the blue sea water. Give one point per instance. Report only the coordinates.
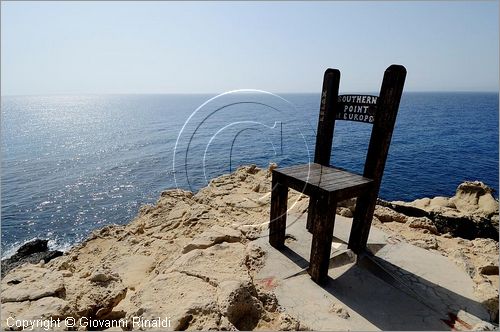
(71, 164)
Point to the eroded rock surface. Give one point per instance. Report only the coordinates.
(192, 258)
(434, 225)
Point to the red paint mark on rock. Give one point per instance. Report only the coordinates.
(456, 324)
(268, 283)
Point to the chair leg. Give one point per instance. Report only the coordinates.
(362, 221)
(322, 239)
(277, 224)
(311, 213)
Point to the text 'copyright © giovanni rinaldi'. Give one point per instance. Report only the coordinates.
(136, 323)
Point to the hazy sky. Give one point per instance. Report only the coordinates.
(165, 47)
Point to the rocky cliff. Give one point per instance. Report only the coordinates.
(191, 259)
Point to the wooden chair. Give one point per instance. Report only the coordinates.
(326, 185)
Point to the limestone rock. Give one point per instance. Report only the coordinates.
(188, 300)
(212, 236)
(104, 275)
(475, 197)
(348, 203)
(472, 212)
(488, 295)
(224, 261)
(239, 303)
(345, 212)
(172, 261)
(463, 261)
(95, 296)
(44, 308)
(485, 245)
(289, 323)
(385, 214)
(226, 325)
(254, 258)
(271, 167)
(477, 323)
(427, 243)
(31, 283)
(339, 310)
(132, 269)
(471, 199)
(483, 326)
(422, 223)
(252, 232)
(252, 169)
(440, 201)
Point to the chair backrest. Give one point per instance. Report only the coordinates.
(380, 111)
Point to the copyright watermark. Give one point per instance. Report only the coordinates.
(136, 323)
(34, 324)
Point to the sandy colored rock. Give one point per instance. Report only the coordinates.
(104, 275)
(204, 242)
(289, 323)
(475, 197)
(428, 243)
(188, 300)
(92, 297)
(31, 283)
(132, 269)
(487, 292)
(272, 166)
(44, 308)
(252, 232)
(422, 223)
(212, 236)
(471, 199)
(339, 310)
(344, 211)
(440, 201)
(483, 326)
(224, 261)
(348, 203)
(239, 303)
(225, 296)
(385, 214)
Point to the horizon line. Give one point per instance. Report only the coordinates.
(218, 93)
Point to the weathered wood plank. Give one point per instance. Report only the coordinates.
(311, 213)
(330, 182)
(323, 175)
(277, 225)
(324, 135)
(354, 191)
(322, 238)
(378, 148)
(312, 190)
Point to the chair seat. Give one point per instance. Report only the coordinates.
(315, 179)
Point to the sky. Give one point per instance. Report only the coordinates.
(198, 47)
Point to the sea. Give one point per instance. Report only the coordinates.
(71, 164)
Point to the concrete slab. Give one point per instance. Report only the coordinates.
(400, 287)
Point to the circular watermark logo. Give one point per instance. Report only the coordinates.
(236, 128)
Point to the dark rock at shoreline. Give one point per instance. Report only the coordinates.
(31, 252)
(32, 247)
(466, 227)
